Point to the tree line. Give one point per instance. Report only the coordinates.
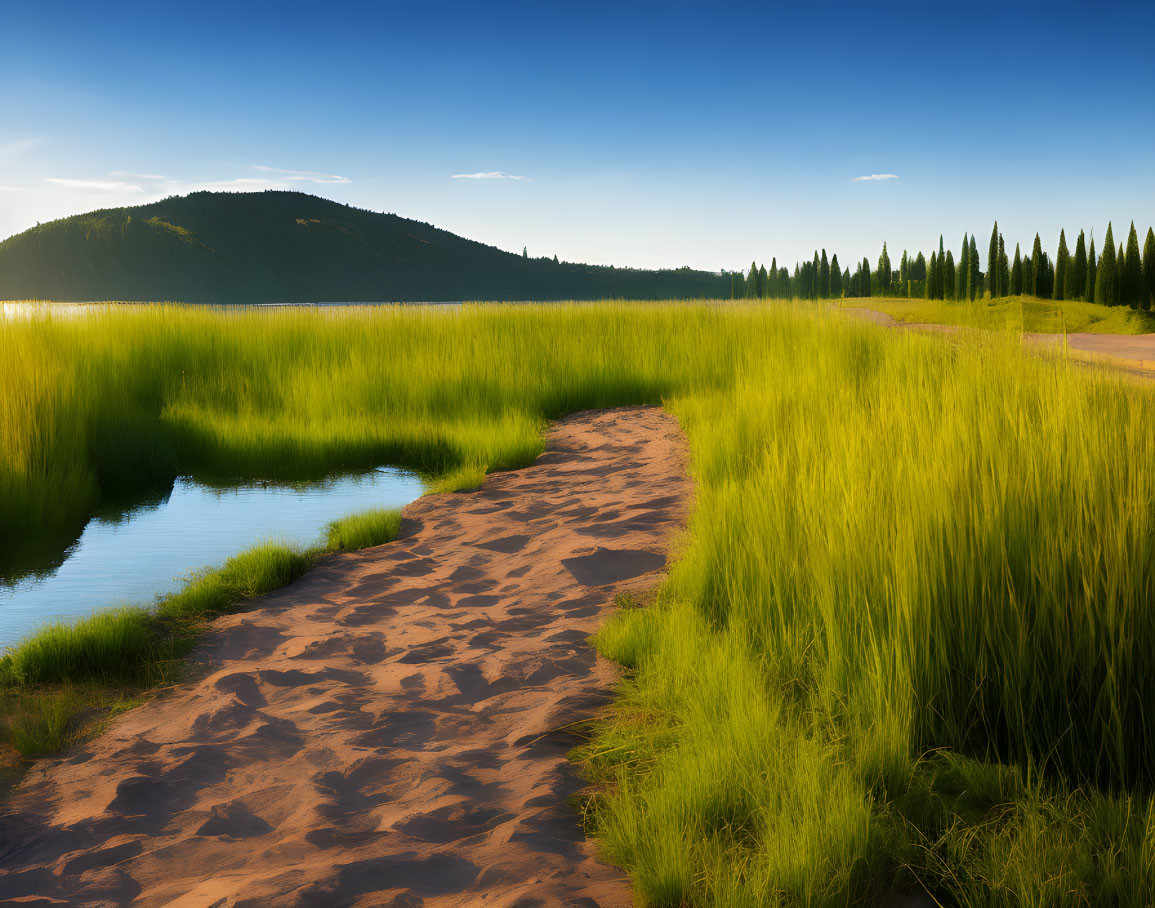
(1121, 276)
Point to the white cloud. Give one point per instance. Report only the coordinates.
(148, 177)
(490, 175)
(875, 177)
(100, 185)
(305, 176)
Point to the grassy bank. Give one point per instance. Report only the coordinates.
(907, 646)
(64, 680)
(1016, 313)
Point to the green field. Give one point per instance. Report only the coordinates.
(906, 645)
(1016, 313)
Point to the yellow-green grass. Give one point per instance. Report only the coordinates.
(363, 530)
(1016, 313)
(906, 646)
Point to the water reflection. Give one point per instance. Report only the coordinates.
(134, 555)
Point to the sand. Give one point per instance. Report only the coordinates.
(389, 729)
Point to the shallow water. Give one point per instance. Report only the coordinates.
(149, 550)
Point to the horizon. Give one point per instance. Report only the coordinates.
(622, 138)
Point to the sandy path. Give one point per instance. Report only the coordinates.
(380, 732)
(1134, 353)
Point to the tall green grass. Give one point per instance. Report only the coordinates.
(1017, 313)
(907, 645)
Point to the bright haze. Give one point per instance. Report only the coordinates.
(652, 135)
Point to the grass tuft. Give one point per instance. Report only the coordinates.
(363, 530)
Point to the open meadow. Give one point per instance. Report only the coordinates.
(906, 644)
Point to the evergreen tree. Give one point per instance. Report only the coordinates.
(1004, 269)
(930, 289)
(835, 278)
(763, 283)
(1131, 278)
(1092, 272)
(772, 279)
(824, 277)
(866, 288)
(1036, 268)
(1062, 260)
(846, 279)
(815, 270)
(884, 276)
(948, 276)
(752, 282)
(993, 262)
(940, 278)
(1017, 274)
(1149, 270)
(974, 279)
(1106, 279)
(904, 275)
(1075, 280)
(964, 266)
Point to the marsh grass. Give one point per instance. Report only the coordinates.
(1016, 313)
(363, 530)
(907, 645)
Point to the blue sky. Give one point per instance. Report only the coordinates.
(647, 134)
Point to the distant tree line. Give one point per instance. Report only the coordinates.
(1121, 276)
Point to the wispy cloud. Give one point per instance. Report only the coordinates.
(304, 176)
(99, 185)
(489, 175)
(875, 177)
(147, 177)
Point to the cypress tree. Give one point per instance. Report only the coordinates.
(1038, 277)
(772, 279)
(1149, 269)
(1062, 259)
(904, 275)
(1004, 269)
(835, 278)
(948, 276)
(763, 283)
(929, 290)
(815, 271)
(884, 276)
(846, 279)
(974, 279)
(1017, 274)
(993, 262)
(1092, 272)
(1106, 280)
(752, 282)
(940, 278)
(1131, 280)
(824, 277)
(1075, 281)
(866, 286)
(964, 266)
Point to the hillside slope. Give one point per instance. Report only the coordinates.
(221, 247)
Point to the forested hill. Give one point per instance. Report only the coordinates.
(222, 247)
